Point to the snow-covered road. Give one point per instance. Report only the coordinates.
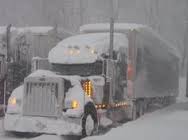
(170, 123)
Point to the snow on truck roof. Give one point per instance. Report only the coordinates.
(125, 28)
(104, 27)
(85, 48)
(33, 29)
(3, 29)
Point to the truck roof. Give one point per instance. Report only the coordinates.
(126, 28)
(85, 48)
(105, 27)
(31, 29)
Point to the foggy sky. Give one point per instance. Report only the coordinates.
(168, 17)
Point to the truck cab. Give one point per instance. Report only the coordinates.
(87, 56)
(80, 82)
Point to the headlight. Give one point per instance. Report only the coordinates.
(14, 105)
(74, 104)
(12, 101)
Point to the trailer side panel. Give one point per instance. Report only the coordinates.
(157, 70)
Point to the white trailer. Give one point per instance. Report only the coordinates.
(84, 85)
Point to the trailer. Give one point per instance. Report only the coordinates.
(87, 86)
(152, 65)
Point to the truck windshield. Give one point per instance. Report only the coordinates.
(78, 69)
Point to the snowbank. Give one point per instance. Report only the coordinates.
(167, 124)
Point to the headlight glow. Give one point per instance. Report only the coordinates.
(74, 104)
(93, 51)
(12, 101)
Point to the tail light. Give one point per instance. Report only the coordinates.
(87, 87)
(130, 72)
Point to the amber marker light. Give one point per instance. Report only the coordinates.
(88, 88)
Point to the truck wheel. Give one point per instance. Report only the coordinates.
(89, 122)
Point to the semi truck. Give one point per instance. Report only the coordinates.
(87, 87)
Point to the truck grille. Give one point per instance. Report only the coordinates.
(40, 99)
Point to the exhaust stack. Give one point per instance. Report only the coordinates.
(111, 38)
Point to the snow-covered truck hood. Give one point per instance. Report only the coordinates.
(85, 48)
(46, 73)
(74, 79)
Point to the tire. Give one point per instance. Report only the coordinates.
(89, 121)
